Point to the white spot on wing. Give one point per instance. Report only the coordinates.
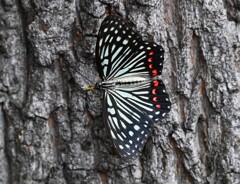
(131, 133)
(157, 113)
(125, 42)
(111, 111)
(118, 38)
(136, 127)
(120, 146)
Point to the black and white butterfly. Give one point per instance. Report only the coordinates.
(133, 98)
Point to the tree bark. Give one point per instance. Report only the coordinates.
(51, 130)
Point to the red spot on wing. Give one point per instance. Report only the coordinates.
(155, 83)
(154, 72)
(154, 91)
(151, 53)
(155, 99)
(158, 106)
(150, 66)
(149, 60)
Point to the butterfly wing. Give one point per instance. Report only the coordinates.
(121, 53)
(130, 112)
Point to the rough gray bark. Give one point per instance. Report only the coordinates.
(51, 131)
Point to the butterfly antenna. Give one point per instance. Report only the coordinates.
(89, 88)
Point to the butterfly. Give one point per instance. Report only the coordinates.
(133, 97)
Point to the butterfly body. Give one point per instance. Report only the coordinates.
(111, 84)
(133, 96)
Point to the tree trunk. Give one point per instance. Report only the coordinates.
(51, 130)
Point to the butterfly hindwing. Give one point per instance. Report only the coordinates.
(121, 53)
(130, 112)
(129, 135)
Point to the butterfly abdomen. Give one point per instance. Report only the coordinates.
(121, 82)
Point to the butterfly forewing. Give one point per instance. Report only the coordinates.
(121, 53)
